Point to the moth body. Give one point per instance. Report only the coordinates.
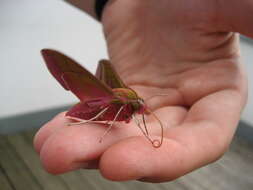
(125, 98)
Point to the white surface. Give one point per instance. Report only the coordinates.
(247, 58)
(27, 26)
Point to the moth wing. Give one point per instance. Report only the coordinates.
(107, 74)
(86, 88)
(74, 77)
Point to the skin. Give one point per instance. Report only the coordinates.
(185, 49)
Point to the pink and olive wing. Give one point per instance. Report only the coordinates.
(58, 63)
(107, 74)
(74, 77)
(86, 87)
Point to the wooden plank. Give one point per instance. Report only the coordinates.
(75, 181)
(15, 168)
(72, 180)
(5, 182)
(233, 171)
(26, 153)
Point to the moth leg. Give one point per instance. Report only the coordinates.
(110, 126)
(90, 120)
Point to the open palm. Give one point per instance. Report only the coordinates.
(180, 49)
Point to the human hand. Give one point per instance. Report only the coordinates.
(178, 48)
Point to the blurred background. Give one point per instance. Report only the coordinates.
(30, 96)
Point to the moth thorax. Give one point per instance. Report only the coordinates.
(127, 95)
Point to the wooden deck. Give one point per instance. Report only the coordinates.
(20, 169)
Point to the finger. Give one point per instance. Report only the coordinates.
(73, 147)
(222, 108)
(58, 122)
(134, 158)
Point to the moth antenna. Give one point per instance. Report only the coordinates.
(144, 123)
(110, 126)
(139, 126)
(92, 119)
(161, 125)
(155, 96)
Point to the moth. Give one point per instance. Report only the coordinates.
(103, 97)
